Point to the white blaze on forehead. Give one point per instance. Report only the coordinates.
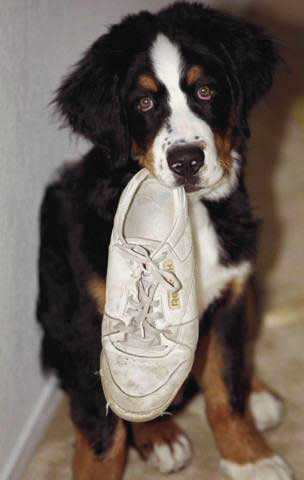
(168, 66)
(167, 62)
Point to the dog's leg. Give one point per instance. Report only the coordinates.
(109, 465)
(266, 406)
(101, 438)
(162, 444)
(225, 378)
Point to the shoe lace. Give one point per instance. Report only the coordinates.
(148, 274)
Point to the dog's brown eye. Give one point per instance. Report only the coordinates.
(205, 93)
(145, 104)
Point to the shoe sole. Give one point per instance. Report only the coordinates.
(137, 417)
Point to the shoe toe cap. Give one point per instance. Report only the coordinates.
(138, 387)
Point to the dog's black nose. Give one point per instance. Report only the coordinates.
(185, 160)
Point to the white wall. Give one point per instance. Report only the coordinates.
(39, 39)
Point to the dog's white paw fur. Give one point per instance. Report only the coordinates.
(267, 410)
(168, 458)
(273, 468)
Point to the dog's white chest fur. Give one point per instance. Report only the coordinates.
(211, 276)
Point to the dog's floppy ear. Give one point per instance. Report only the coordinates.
(89, 100)
(253, 57)
(256, 57)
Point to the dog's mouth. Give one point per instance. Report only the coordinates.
(193, 187)
(190, 184)
(189, 188)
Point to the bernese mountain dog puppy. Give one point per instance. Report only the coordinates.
(188, 74)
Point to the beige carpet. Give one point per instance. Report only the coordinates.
(280, 359)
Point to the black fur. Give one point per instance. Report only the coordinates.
(235, 226)
(230, 326)
(78, 210)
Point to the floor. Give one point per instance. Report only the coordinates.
(276, 182)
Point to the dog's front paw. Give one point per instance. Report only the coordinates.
(170, 457)
(162, 444)
(273, 468)
(266, 409)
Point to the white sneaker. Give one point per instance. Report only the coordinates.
(150, 324)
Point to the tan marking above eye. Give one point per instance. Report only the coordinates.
(148, 82)
(193, 74)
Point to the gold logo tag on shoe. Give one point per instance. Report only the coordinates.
(173, 297)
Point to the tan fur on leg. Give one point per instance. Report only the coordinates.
(97, 289)
(87, 466)
(236, 436)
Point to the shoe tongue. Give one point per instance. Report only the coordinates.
(151, 213)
